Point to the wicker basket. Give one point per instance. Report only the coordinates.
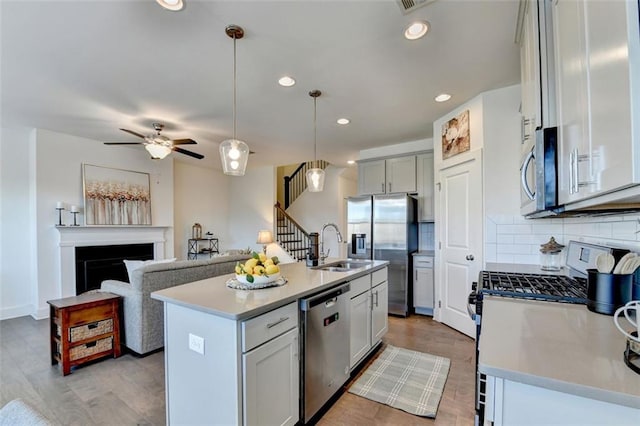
(91, 348)
(93, 329)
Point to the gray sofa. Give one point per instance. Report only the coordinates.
(144, 317)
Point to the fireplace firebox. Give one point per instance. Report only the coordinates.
(95, 264)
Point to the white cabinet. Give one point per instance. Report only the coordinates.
(537, 69)
(369, 313)
(513, 403)
(360, 327)
(597, 45)
(271, 382)
(387, 176)
(425, 186)
(371, 178)
(379, 312)
(271, 368)
(423, 289)
(401, 174)
(530, 71)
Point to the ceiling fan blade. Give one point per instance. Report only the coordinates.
(124, 143)
(189, 153)
(184, 142)
(133, 133)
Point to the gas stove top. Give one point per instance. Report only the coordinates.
(555, 288)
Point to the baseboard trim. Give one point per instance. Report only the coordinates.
(15, 311)
(41, 313)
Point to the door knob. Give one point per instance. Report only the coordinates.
(469, 257)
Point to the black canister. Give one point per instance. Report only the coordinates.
(313, 252)
(607, 292)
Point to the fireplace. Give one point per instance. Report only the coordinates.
(95, 264)
(80, 237)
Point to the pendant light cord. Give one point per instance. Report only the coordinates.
(234, 86)
(315, 133)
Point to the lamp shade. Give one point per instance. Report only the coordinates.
(234, 155)
(265, 237)
(157, 151)
(315, 180)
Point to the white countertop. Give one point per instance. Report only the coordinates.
(559, 346)
(213, 296)
(428, 253)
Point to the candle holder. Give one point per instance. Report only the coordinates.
(60, 209)
(75, 218)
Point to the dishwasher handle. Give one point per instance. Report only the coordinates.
(326, 296)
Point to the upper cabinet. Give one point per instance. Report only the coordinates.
(530, 72)
(597, 62)
(536, 68)
(387, 176)
(424, 177)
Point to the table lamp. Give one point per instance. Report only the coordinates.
(264, 237)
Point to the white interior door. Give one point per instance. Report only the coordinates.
(460, 236)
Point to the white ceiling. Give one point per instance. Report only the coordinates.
(88, 68)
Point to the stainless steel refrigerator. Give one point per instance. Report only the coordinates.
(384, 227)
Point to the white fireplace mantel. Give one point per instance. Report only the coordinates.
(79, 236)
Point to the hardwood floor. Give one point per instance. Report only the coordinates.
(130, 390)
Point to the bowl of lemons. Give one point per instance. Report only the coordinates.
(260, 269)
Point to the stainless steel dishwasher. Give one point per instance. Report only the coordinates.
(325, 360)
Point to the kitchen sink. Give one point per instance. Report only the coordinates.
(344, 265)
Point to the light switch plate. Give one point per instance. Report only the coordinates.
(196, 343)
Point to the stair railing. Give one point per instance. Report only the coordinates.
(290, 235)
(296, 183)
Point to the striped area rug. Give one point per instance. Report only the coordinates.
(404, 379)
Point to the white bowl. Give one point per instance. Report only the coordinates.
(258, 279)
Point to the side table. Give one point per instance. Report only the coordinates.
(84, 328)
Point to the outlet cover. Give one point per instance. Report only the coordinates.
(196, 343)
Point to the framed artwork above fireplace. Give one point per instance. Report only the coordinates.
(115, 196)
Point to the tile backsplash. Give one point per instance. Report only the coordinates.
(427, 236)
(513, 239)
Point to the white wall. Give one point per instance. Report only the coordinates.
(201, 195)
(17, 243)
(397, 149)
(251, 200)
(46, 167)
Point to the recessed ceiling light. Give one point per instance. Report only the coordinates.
(174, 5)
(351, 162)
(443, 97)
(416, 30)
(286, 81)
(343, 121)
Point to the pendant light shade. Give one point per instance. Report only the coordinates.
(315, 176)
(234, 153)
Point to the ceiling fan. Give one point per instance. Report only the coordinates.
(160, 146)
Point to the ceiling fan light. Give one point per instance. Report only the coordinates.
(158, 152)
(173, 5)
(234, 154)
(315, 180)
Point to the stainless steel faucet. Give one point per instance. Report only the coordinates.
(324, 255)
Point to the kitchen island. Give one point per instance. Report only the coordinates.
(554, 363)
(232, 356)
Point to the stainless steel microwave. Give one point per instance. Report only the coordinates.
(539, 175)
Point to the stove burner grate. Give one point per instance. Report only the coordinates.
(558, 288)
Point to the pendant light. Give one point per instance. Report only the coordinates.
(234, 153)
(315, 176)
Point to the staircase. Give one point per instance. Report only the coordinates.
(290, 235)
